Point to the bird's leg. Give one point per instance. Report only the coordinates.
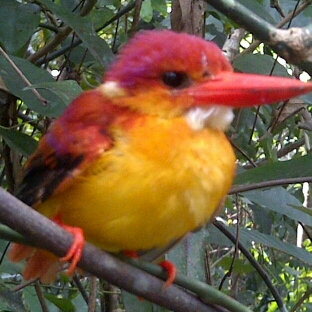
(75, 251)
(168, 266)
(171, 271)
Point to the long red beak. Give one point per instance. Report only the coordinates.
(243, 90)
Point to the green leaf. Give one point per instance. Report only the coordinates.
(146, 11)
(18, 23)
(133, 304)
(32, 301)
(160, 6)
(17, 86)
(248, 236)
(64, 304)
(101, 16)
(19, 141)
(273, 242)
(279, 200)
(10, 300)
(260, 64)
(65, 90)
(258, 9)
(295, 168)
(85, 30)
(239, 267)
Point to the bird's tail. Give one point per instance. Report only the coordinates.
(41, 264)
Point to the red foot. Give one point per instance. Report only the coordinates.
(74, 253)
(171, 271)
(168, 266)
(131, 254)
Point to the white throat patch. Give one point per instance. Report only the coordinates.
(216, 117)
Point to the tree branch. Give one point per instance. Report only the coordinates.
(77, 42)
(293, 44)
(43, 233)
(61, 35)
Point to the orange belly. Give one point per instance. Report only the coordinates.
(157, 183)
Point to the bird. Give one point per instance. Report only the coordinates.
(142, 159)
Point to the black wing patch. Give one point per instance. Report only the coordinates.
(41, 180)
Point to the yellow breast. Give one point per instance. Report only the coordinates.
(159, 181)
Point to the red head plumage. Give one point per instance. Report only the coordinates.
(151, 53)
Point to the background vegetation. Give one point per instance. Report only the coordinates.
(259, 249)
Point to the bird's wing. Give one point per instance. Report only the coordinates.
(71, 144)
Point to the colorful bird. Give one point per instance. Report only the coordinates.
(143, 159)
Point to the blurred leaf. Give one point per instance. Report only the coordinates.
(160, 6)
(146, 12)
(10, 301)
(279, 200)
(259, 64)
(101, 16)
(294, 168)
(240, 266)
(69, 4)
(274, 242)
(102, 3)
(18, 141)
(263, 219)
(31, 299)
(258, 9)
(134, 304)
(64, 304)
(85, 30)
(81, 305)
(35, 75)
(18, 23)
(7, 267)
(65, 90)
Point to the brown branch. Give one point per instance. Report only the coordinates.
(232, 44)
(93, 287)
(136, 17)
(60, 36)
(45, 234)
(58, 39)
(293, 44)
(40, 297)
(188, 16)
(67, 47)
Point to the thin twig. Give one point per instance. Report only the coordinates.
(253, 262)
(305, 230)
(236, 249)
(61, 35)
(81, 288)
(77, 42)
(136, 16)
(264, 184)
(41, 298)
(305, 296)
(22, 76)
(93, 293)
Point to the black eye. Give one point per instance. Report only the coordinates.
(177, 80)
